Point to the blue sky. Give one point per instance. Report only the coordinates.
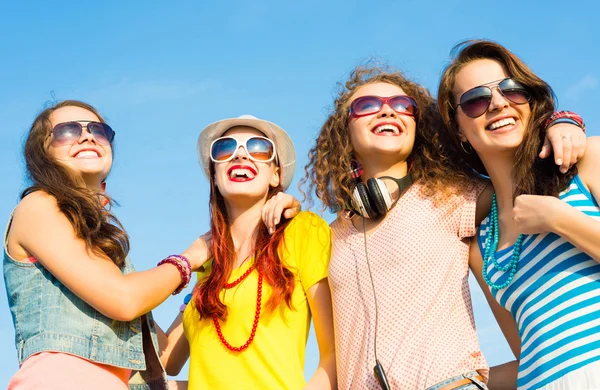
(160, 71)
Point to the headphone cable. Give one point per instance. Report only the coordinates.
(378, 369)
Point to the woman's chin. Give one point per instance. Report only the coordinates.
(243, 197)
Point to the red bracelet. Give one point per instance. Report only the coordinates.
(568, 116)
(184, 270)
(182, 258)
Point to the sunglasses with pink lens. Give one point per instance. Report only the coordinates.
(368, 105)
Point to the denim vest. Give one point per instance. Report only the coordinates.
(47, 316)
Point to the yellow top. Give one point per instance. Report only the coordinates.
(275, 359)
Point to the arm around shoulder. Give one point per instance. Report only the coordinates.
(41, 230)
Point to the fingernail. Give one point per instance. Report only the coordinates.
(275, 221)
(270, 230)
(559, 161)
(563, 170)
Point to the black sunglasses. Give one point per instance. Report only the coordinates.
(69, 132)
(476, 101)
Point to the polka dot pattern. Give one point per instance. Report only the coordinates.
(419, 262)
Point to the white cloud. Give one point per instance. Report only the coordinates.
(589, 82)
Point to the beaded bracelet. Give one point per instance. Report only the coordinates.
(182, 272)
(184, 261)
(565, 116)
(186, 300)
(182, 258)
(184, 269)
(183, 265)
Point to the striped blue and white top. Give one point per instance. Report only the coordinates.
(554, 299)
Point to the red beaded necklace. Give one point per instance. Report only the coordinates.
(256, 315)
(241, 278)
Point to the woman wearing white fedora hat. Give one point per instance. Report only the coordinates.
(247, 322)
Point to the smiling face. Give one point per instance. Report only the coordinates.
(502, 127)
(382, 134)
(241, 179)
(86, 156)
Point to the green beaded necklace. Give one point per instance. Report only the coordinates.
(491, 246)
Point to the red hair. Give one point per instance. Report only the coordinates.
(275, 273)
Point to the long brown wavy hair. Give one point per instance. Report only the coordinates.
(276, 274)
(532, 175)
(330, 160)
(95, 225)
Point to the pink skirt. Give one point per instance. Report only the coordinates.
(61, 371)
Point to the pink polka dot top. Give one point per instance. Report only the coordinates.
(419, 261)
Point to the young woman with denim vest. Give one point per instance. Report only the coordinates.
(81, 313)
(399, 265)
(536, 255)
(246, 326)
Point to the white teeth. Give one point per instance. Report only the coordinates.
(502, 122)
(87, 153)
(382, 128)
(241, 173)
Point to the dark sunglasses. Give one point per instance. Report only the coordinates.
(259, 149)
(368, 105)
(69, 132)
(476, 101)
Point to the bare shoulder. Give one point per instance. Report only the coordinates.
(587, 167)
(33, 208)
(35, 203)
(37, 208)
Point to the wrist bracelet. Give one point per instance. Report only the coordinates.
(184, 272)
(188, 266)
(182, 258)
(565, 117)
(564, 120)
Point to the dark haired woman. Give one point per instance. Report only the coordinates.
(81, 314)
(536, 255)
(248, 321)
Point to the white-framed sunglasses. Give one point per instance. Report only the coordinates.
(260, 149)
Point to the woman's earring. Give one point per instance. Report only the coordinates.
(462, 146)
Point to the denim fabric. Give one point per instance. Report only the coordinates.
(47, 316)
(475, 385)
